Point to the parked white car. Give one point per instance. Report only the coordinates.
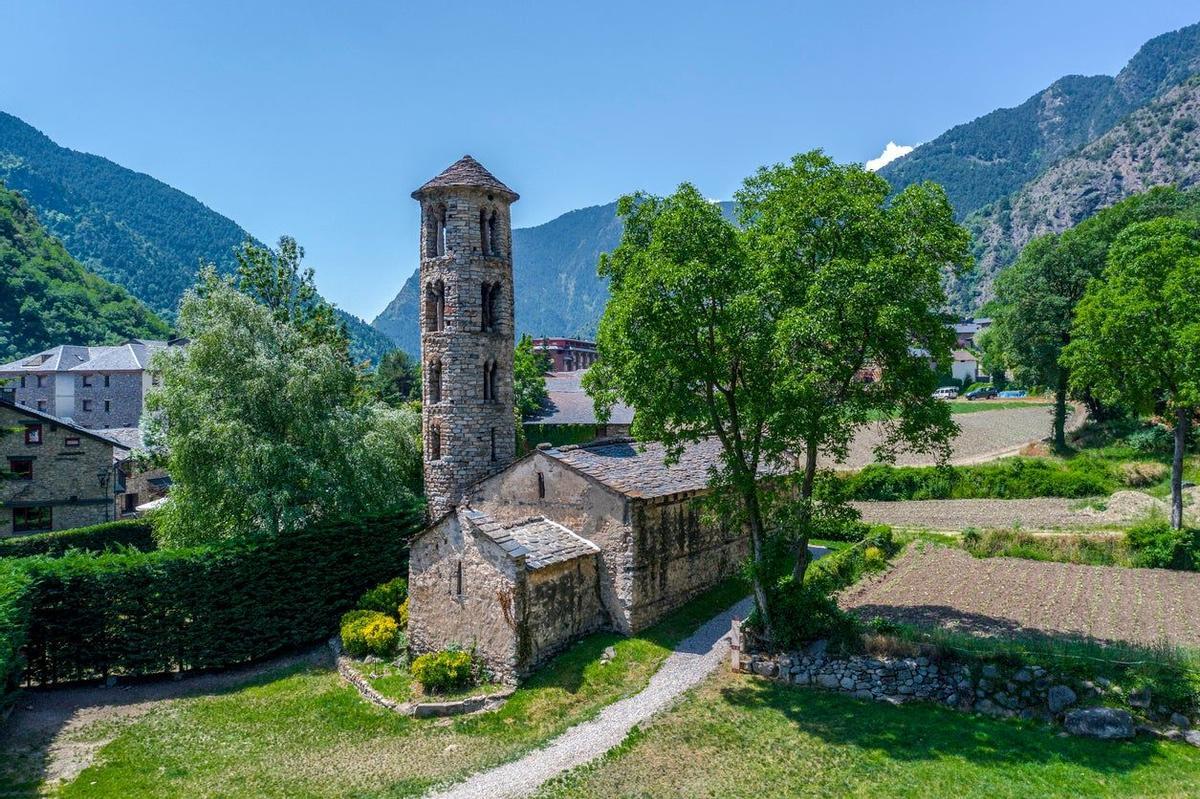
(946, 392)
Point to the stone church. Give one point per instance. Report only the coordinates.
(524, 556)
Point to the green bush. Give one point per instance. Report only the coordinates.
(802, 613)
(448, 670)
(386, 598)
(369, 632)
(16, 594)
(215, 606)
(136, 533)
(1011, 478)
(1152, 440)
(1100, 550)
(1155, 545)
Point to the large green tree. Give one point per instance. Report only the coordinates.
(758, 335)
(1036, 298)
(1136, 337)
(529, 379)
(260, 421)
(397, 379)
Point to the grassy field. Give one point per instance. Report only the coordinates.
(739, 736)
(305, 733)
(974, 406)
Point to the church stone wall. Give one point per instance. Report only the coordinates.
(677, 554)
(484, 615)
(581, 505)
(562, 604)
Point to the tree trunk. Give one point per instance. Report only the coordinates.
(1060, 411)
(800, 566)
(1183, 418)
(754, 522)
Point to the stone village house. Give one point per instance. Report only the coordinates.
(522, 557)
(58, 475)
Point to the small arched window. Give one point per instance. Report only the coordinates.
(493, 443)
(541, 485)
(493, 244)
(435, 306)
(435, 382)
(435, 443)
(488, 367)
(435, 231)
(489, 294)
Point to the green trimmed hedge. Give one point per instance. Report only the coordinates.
(16, 595)
(136, 533)
(205, 607)
(1010, 478)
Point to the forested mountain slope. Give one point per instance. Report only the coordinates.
(128, 227)
(48, 298)
(988, 158)
(1155, 145)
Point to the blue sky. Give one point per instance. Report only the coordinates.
(317, 120)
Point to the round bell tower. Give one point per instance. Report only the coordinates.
(467, 333)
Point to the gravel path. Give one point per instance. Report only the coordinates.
(983, 435)
(692, 661)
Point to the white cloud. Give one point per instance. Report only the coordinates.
(889, 154)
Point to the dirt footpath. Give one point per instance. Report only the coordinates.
(39, 740)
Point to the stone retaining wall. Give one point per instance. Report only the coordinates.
(1028, 692)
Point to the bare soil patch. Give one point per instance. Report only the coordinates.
(934, 586)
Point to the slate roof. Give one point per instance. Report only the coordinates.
(541, 541)
(467, 172)
(131, 356)
(568, 403)
(638, 470)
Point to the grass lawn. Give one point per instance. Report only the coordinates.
(305, 733)
(974, 406)
(739, 736)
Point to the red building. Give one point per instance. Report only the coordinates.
(567, 354)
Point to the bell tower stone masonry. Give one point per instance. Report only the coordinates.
(467, 330)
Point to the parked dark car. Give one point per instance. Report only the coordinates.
(983, 393)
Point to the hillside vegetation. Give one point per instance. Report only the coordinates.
(981, 161)
(128, 227)
(1154, 146)
(48, 298)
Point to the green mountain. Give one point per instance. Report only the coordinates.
(1156, 145)
(48, 298)
(128, 227)
(993, 156)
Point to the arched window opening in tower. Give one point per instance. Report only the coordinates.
(489, 294)
(435, 382)
(439, 239)
(493, 246)
(435, 306)
(435, 443)
(488, 367)
(493, 444)
(485, 242)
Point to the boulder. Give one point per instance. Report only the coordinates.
(1181, 721)
(1192, 737)
(1059, 698)
(1106, 723)
(828, 680)
(765, 668)
(1140, 698)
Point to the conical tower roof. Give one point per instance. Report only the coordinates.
(467, 172)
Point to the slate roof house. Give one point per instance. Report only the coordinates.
(568, 415)
(522, 557)
(94, 387)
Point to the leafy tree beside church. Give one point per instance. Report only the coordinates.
(759, 336)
